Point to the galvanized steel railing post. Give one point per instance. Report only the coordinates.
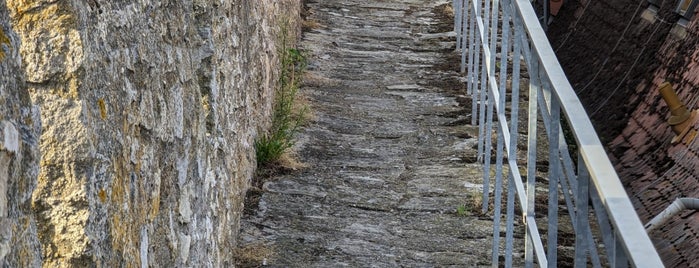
(532, 130)
(554, 176)
(484, 136)
(473, 61)
(464, 26)
(581, 208)
(504, 54)
(458, 17)
(620, 260)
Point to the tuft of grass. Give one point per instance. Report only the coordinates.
(461, 210)
(287, 114)
(472, 206)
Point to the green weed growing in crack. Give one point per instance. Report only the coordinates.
(288, 114)
(471, 206)
(461, 210)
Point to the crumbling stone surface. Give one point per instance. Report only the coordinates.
(390, 154)
(149, 113)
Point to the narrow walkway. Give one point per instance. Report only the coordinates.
(390, 152)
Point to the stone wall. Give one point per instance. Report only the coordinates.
(617, 59)
(149, 112)
(19, 156)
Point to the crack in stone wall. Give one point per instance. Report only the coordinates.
(149, 111)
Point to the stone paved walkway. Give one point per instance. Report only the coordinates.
(390, 152)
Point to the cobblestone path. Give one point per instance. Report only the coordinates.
(390, 153)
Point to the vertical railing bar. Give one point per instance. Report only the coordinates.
(526, 50)
(458, 13)
(569, 188)
(481, 137)
(475, 46)
(568, 166)
(483, 37)
(497, 192)
(488, 130)
(565, 189)
(521, 192)
(554, 176)
(504, 53)
(581, 221)
(486, 20)
(614, 246)
(497, 213)
(509, 235)
(464, 23)
(582, 205)
(620, 260)
(603, 223)
(564, 185)
(594, 255)
(526, 54)
(570, 194)
(509, 222)
(546, 87)
(547, 114)
(516, 72)
(471, 49)
(531, 154)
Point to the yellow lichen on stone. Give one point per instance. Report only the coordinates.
(102, 195)
(118, 191)
(124, 223)
(154, 208)
(123, 238)
(73, 87)
(103, 108)
(53, 15)
(4, 40)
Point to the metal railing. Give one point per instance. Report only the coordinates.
(494, 36)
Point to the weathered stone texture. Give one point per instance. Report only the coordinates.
(149, 111)
(19, 156)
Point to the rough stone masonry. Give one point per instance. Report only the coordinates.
(127, 127)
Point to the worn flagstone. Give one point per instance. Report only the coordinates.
(390, 152)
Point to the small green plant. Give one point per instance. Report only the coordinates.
(472, 204)
(287, 114)
(461, 210)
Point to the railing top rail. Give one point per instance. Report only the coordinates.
(638, 245)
